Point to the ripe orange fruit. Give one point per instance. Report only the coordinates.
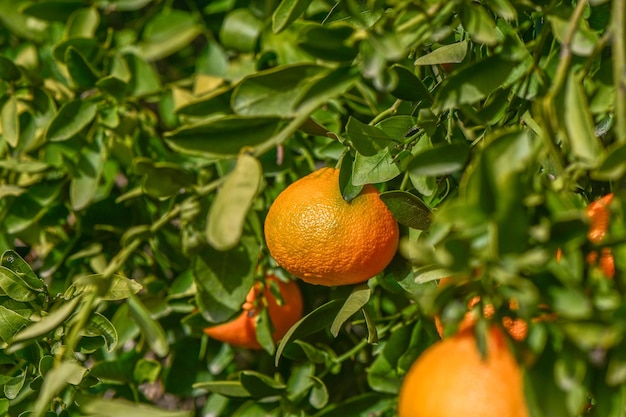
(241, 331)
(599, 217)
(313, 233)
(452, 379)
(516, 328)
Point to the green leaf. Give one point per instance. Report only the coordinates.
(10, 122)
(287, 12)
(115, 407)
(410, 87)
(240, 30)
(584, 41)
(330, 43)
(49, 322)
(367, 140)
(166, 33)
(14, 386)
(384, 375)
(151, 329)
(374, 169)
(112, 86)
(348, 190)
(67, 372)
(10, 323)
(84, 185)
(503, 8)
(360, 405)
(259, 385)
(224, 136)
(89, 48)
(8, 70)
(82, 23)
(114, 288)
(613, 166)
(583, 142)
(53, 10)
(316, 320)
(163, 179)
(83, 75)
(223, 279)
(228, 212)
(226, 388)
(358, 298)
(14, 286)
(146, 370)
(318, 397)
(473, 83)
(274, 92)
(13, 261)
(215, 102)
(442, 159)
(98, 325)
(479, 24)
(407, 209)
(452, 53)
(570, 303)
(73, 117)
(144, 78)
(326, 88)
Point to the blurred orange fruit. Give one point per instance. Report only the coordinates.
(241, 331)
(599, 217)
(313, 233)
(452, 379)
(517, 328)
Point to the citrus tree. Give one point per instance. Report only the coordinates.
(143, 142)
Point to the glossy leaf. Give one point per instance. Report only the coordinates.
(83, 75)
(367, 140)
(8, 70)
(275, 91)
(407, 209)
(223, 279)
(332, 43)
(579, 124)
(53, 10)
(451, 53)
(440, 160)
(374, 169)
(316, 320)
(479, 24)
(357, 299)
(84, 185)
(14, 286)
(49, 322)
(229, 209)
(82, 23)
(260, 385)
(71, 119)
(614, 164)
(409, 86)
(151, 329)
(287, 12)
(10, 122)
(10, 323)
(224, 136)
(167, 33)
(93, 405)
(240, 30)
(473, 83)
(13, 261)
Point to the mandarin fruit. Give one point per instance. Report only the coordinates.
(241, 331)
(452, 379)
(316, 235)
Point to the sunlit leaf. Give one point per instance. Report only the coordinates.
(229, 209)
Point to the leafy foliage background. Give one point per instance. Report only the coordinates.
(143, 141)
